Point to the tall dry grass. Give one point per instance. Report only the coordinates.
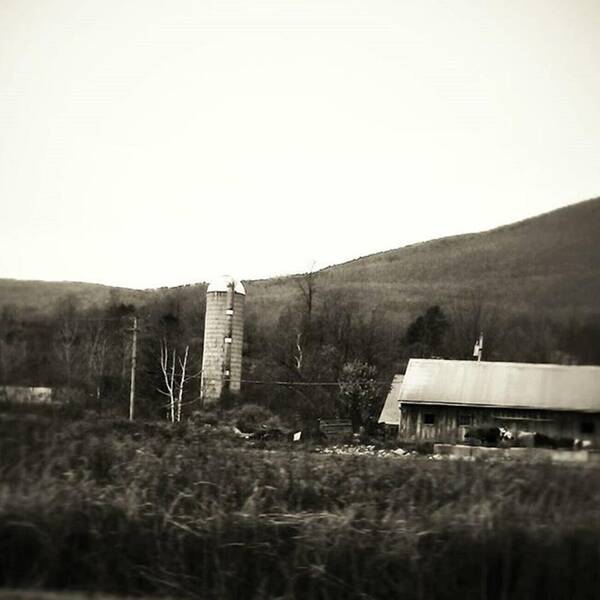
(191, 511)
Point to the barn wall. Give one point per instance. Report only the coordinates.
(446, 428)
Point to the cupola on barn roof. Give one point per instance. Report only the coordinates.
(222, 284)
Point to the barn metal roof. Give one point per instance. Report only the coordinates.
(390, 413)
(501, 384)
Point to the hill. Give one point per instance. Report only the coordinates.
(549, 263)
(42, 297)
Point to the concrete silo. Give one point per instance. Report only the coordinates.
(223, 339)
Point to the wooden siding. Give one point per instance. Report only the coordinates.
(446, 427)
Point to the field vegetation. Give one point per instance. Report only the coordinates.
(191, 510)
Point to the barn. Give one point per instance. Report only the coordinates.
(440, 399)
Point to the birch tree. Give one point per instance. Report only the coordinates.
(182, 366)
(174, 383)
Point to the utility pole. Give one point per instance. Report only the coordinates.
(133, 361)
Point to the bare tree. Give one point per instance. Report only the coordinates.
(173, 385)
(168, 371)
(13, 349)
(182, 365)
(67, 336)
(299, 355)
(308, 286)
(95, 351)
(468, 318)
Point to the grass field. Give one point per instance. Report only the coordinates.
(191, 511)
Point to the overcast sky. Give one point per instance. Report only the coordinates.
(147, 143)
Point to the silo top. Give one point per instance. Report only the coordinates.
(222, 284)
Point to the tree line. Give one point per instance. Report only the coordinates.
(334, 358)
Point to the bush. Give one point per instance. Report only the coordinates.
(252, 417)
(206, 417)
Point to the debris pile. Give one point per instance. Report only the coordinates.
(264, 433)
(360, 450)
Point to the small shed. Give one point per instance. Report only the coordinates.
(25, 394)
(440, 399)
(390, 413)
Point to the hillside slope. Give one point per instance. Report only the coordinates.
(42, 297)
(549, 263)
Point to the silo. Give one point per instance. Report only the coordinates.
(223, 339)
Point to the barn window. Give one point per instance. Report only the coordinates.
(429, 419)
(587, 427)
(464, 419)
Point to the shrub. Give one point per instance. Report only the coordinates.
(205, 417)
(251, 417)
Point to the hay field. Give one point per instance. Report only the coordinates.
(191, 511)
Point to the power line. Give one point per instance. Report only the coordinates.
(305, 383)
(289, 383)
